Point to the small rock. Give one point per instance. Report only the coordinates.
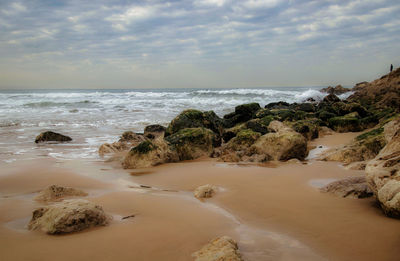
(220, 249)
(56, 193)
(205, 191)
(353, 187)
(51, 136)
(68, 216)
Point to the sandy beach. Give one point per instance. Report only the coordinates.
(274, 211)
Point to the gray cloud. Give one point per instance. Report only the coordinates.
(200, 43)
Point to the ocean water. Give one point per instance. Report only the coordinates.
(93, 117)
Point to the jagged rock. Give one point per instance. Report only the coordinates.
(195, 119)
(68, 216)
(277, 105)
(220, 249)
(352, 187)
(339, 89)
(364, 147)
(51, 136)
(205, 191)
(383, 172)
(56, 193)
(192, 143)
(154, 131)
(331, 98)
(241, 114)
(149, 153)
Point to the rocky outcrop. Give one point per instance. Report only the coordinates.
(383, 172)
(68, 216)
(51, 136)
(352, 187)
(308, 128)
(339, 89)
(205, 191)
(331, 98)
(148, 154)
(57, 193)
(364, 147)
(382, 93)
(192, 143)
(238, 148)
(195, 119)
(220, 249)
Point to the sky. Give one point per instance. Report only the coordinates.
(196, 44)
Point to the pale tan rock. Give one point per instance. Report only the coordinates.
(220, 249)
(358, 165)
(68, 216)
(205, 191)
(352, 187)
(149, 153)
(128, 140)
(324, 131)
(57, 193)
(383, 172)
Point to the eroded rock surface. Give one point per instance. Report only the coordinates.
(353, 187)
(205, 191)
(220, 249)
(68, 216)
(56, 193)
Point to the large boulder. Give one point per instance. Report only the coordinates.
(238, 148)
(195, 119)
(192, 143)
(308, 128)
(220, 249)
(383, 175)
(51, 136)
(364, 147)
(154, 131)
(57, 193)
(148, 154)
(352, 187)
(283, 144)
(68, 216)
(241, 114)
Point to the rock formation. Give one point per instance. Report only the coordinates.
(220, 249)
(56, 193)
(383, 172)
(68, 216)
(339, 89)
(51, 136)
(204, 191)
(128, 140)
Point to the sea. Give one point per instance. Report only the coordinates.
(94, 117)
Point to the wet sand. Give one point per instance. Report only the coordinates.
(275, 212)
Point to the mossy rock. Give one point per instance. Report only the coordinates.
(345, 124)
(195, 119)
(143, 148)
(258, 125)
(52, 137)
(277, 105)
(325, 115)
(192, 143)
(242, 113)
(243, 140)
(263, 113)
(289, 115)
(308, 128)
(356, 107)
(306, 107)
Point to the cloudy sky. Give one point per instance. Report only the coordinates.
(200, 43)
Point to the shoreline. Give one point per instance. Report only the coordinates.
(281, 216)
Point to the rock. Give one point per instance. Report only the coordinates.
(68, 216)
(148, 154)
(220, 249)
(154, 131)
(352, 187)
(205, 191)
(383, 175)
(258, 125)
(195, 119)
(339, 89)
(51, 136)
(308, 128)
(239, 146)
(242, 113)
(324, 131)
(277, 105)
(127, 140)
(358, 165)
(345, 123)
(331, 98)
(192, 143)
(306, 107)
(364, 147)
(282, 145)
(56, 193)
